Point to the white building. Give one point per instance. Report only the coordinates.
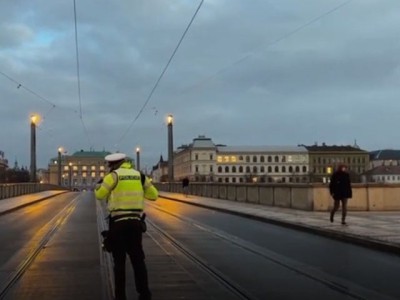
(196, 161)
(202, 160)
(262, 164)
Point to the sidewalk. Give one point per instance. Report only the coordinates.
(11, 204)
(380, 230)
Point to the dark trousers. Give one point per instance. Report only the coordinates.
(127, 240)
(336, 207)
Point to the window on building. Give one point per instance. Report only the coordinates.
(269, 169)
(291, 169)
(196, 168)
(269, 159)
(226, 159)
(196, 157)
(240, 169)
(247, 158)
(219, 159)
(254, 158)
(93, 174)
(84, 168)
(276, 158)
(262, 169)
(297, 169)
(254, 169)
(248, 169)
(219, 169)
(226, 179)
(93, 168)
(283, 169)
(233, 169)
(233, 179)
(304, 169)
(219, 179)
(283, 159)
(241, 157)
(101, 168)
(262, 158)
(211, 169)
(211, 157)
(276, 169)
(227, 169)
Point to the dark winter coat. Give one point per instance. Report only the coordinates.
(340, 186)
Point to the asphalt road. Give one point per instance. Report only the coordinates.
(272, 262)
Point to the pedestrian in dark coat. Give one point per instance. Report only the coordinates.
(340, 190)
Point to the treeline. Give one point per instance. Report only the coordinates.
(14, 175)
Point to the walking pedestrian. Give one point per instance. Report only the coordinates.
(340, 190)
(124, 189)
(185, 186)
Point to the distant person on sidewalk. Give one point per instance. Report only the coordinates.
(340, 190)
(185, 186)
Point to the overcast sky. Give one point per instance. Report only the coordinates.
(248, 72)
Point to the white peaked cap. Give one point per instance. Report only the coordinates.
(115, 157)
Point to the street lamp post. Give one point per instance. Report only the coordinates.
(70, 175)
(59, 166)
(170, 120)
(34, 121)
(138, 159)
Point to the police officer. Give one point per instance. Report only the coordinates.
(124, 189)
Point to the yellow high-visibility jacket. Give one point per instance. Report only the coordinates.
(124, 191)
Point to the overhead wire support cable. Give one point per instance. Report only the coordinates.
(20, 85)
(78, 76)
(162, 73)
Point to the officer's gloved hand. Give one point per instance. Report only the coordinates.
(98, 184)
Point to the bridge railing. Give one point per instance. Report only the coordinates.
(311, 197)
(9, 190)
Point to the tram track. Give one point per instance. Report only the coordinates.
(48, 231)
(340, 285)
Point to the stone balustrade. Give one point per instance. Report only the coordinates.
(311, 197)
(10, 190)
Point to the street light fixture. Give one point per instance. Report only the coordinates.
(170, 120)
(138, 159)
(34, 120)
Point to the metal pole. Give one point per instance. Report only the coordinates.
(138, 159)
(170, 152)
(33, 152)
(59, 168)
(70, 177)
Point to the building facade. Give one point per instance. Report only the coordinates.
(3, 166)
(159, 172)
(196, 161)
(324, 159)
(262, 164)
(79, 171)
(385, 157)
